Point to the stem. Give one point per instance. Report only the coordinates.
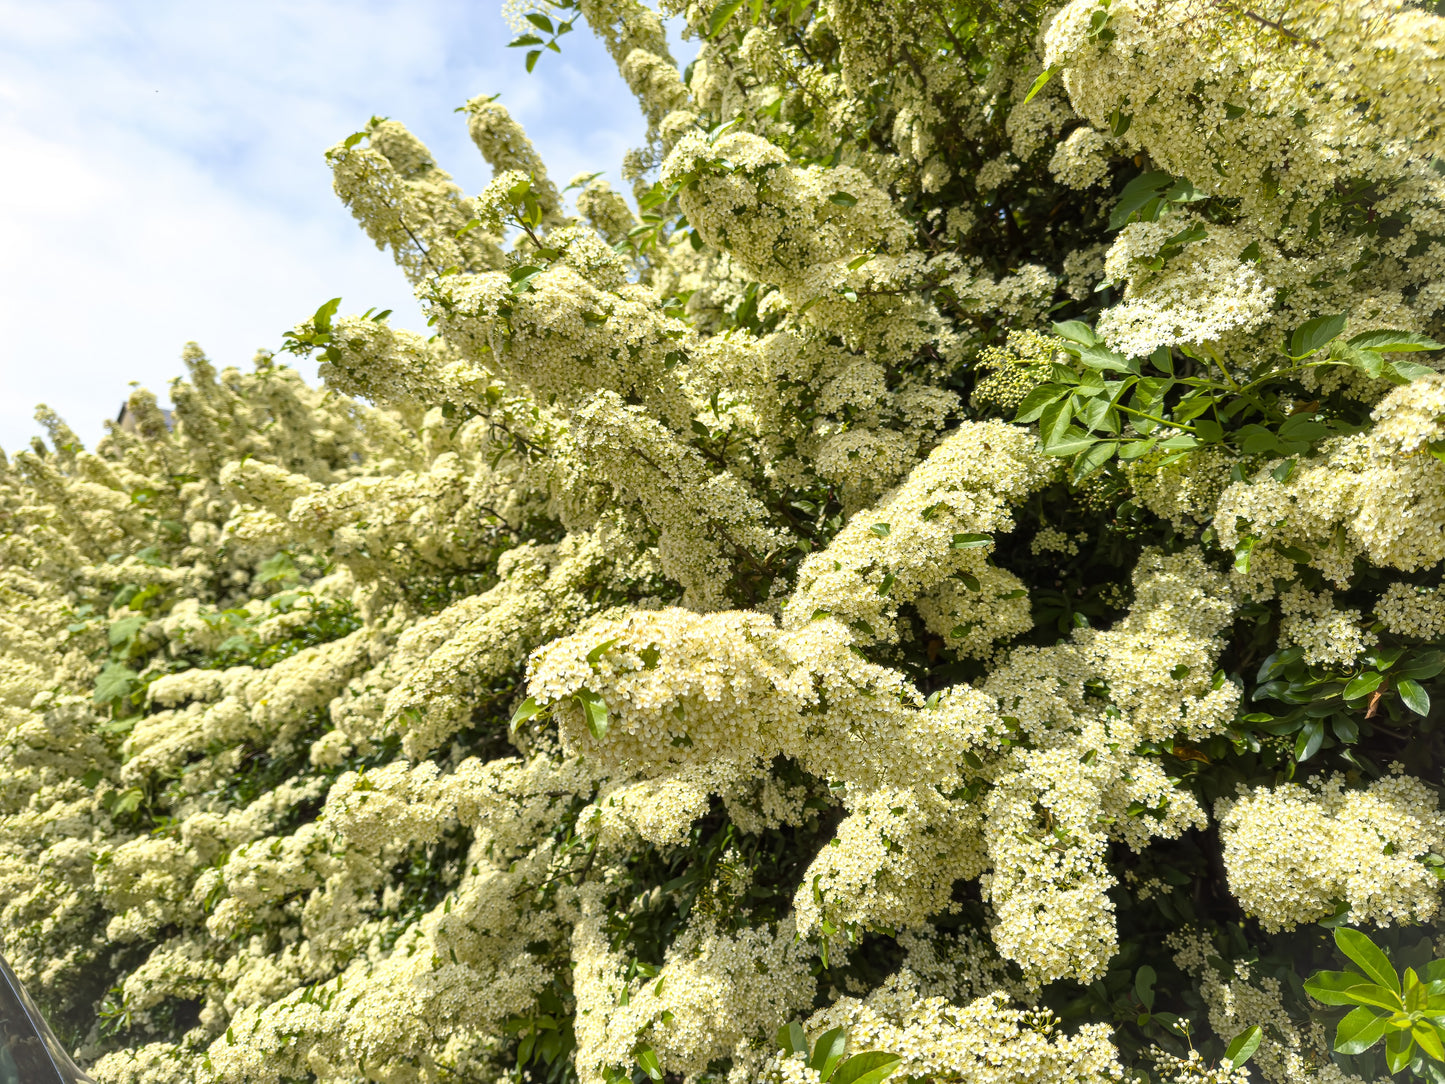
(1213, 353)
(1162, 421)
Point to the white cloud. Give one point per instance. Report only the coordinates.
(164, 176)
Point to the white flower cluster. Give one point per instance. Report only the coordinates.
(985, 1040)
(1412, 611)
(677, 639)
(1329, 636)
(1293, 852)
(937, 524)
(1372, 494)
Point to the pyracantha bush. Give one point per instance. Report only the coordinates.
(960, 564)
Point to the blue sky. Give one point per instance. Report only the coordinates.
(165, 179)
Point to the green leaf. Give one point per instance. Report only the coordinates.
(1366, 361)
(1390, 341)
(1242, 551)
(1055, 420)
(966, 541)
(1036, 401)
(1094, 458)
(524, 40)
(527, 709)
(595, 655)
(792, 1038)
(843, 199)
(114, 681)
(1368, 957)
(1039, 84)
(594, 710)
(1102, 359)
(1306, 427)
(1144, 980)
(1314, 334)
(1413, 696)
(124, 630)
(1328, 987)
(1309, 740)
(1363, 685)
(1142, 190)
(1076, 331)
(828, 1052)
(1373, 995)
(867, 1068)
(1410, 370)
(1242, 1046)
(1183, 442)
(532, 58)
(1209, 431)
(321, 321)
(541, 22)
(1425, 1033)
(720, 15)
(1359, 1030)
(127, 801)
(1072, 440)
(648, 1063)
(1397, 1049)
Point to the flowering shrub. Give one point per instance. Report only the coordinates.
(955, 577)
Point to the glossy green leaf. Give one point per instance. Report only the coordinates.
(1076, 331)
(1242, 1046)
(527, 709)
(1142, 190)
(1310, 738)
(1054, 421)
(1363, 685)
(321, 321)
(1071, 441)
(594, 711)
(869, 1067)
(1368, 957)
(648, 1063)
(595, 655)
(1413, 696)
(1039, 84)
(1397, 1049)
(967, 541)
(1428, 1036)
(1359, 1030)
(1374, 995)
(828, 1052)
(792, 1038)
(1094, 458)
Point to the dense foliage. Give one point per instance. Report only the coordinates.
(950, 587)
